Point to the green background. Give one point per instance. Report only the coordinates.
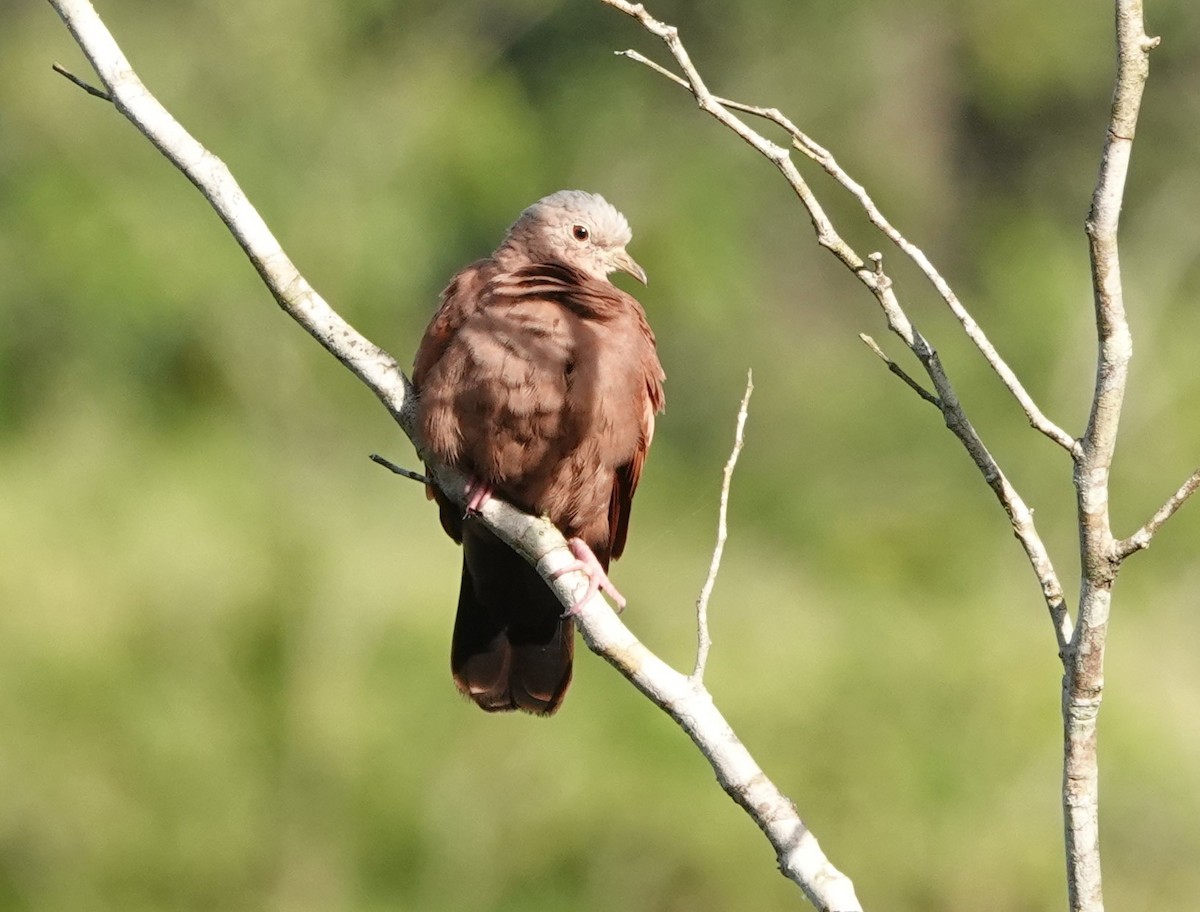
(224, 632)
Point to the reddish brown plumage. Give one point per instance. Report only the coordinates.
(540, 378)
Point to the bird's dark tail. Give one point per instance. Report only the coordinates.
(512, 648)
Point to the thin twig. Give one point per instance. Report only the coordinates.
(880, 285)
(900, 372)
(824, 158)
(703, 640)
(399, 470)
(1142, 537)
(90, 89)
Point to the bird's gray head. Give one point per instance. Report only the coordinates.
(577, 229)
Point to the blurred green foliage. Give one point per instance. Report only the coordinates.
(224, 633)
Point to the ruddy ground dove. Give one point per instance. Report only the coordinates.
(539, 380)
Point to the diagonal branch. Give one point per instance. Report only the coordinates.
(539, 542)
(87, 87)
(880, 285)
(1142, 537)
(685, 699)
(824, 158)
(901, 372)
(125, 90)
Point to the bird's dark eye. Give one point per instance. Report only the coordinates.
(580, 232)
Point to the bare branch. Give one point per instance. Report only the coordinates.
(368, 362)
(1019, 513)
(685, 700)
(880, 285)
(398, 470)
(1083, 681)
(87, 87)
(973, 330)
(716, 105)
(900, 372)
(1142, 537)
(704, 641)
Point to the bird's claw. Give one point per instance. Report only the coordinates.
(479, 492)
(587, 563)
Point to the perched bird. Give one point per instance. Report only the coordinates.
(539, 380)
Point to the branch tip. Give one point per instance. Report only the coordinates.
(900, 372)
(399, 470)
(90, 89)
(703, 639)
(827, 236)
(1141, 539)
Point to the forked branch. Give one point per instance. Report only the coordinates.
(1100, 554)
(872, 275)
(720, 107)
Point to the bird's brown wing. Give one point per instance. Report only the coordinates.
(544, 383)
(628, 475)
(460, 299)
(492, 386)
(491, 378)
(630, 382)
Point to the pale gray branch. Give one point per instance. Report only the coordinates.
(703, 640)
(1081, 645)
(86, 86)
(1142, 537)
(900, 372)
(823, 157)
(880, 285)
(685, 700)
(367, 361)
(1083, 681)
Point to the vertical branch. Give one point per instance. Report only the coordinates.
(1100, 557)
(703, 640)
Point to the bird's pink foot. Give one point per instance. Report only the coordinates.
(479, 492)
(586, 562)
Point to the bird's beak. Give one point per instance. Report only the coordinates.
(624, 262)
